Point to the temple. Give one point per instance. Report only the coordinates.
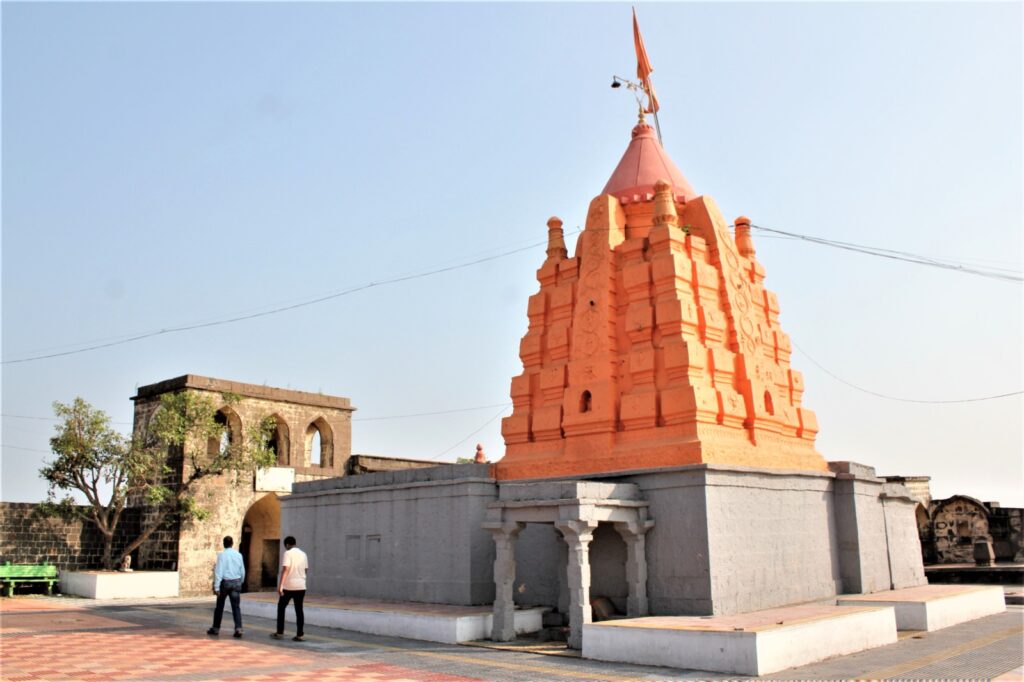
(658, 460)
(657, 343)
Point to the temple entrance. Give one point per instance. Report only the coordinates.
(600, 525)
(260, 546)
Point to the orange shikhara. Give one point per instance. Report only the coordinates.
(656, 344)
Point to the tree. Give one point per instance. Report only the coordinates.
(90, 455)
(184, 441)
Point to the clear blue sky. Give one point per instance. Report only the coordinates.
(165, 164)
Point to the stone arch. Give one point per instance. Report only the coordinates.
(232, 433)
(957, 523)
(325, 457)
(280, 440)
(260, 543)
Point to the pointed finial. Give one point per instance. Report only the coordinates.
(744, 243)
(664, 204)
(556, 241)
(480, 457)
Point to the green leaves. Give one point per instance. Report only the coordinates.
(190, 436)
(88, 449)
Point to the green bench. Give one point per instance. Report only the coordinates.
(12, 575)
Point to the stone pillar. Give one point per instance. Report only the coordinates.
(578, 535)
(635, 535)
(503, 627)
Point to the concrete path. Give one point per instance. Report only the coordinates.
(164, 641)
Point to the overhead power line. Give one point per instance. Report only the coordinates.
(429, 414)
(482, 427)
(355, 419)
(901, 400)
(273, 311)
(1005, 274)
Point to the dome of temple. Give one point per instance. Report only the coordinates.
(644, 163)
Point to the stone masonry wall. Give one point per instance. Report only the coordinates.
(1005, 526)
(27, 536)
(191, 546)
(412, 535)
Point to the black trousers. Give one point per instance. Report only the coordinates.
(229, 589)
(282, 606)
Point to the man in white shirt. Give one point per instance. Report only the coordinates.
(292, 586)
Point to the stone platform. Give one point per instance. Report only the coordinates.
(429, 622)
(755, 643)
(119, 585)
(932, 607)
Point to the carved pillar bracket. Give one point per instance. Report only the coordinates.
(504, 533)
(635, 534)
(578, 534)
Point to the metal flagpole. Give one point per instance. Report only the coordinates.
(657, 125)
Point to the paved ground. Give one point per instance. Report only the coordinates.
(75, 640)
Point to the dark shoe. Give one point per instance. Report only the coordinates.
(213, 631)
(276, 635)
(298, 638)
(238, 634)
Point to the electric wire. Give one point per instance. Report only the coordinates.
(1005, 274)
(482, 427)
(276, 310)
(901, 400)
(429, 414)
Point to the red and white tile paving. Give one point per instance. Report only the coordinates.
(46, 641)
(73, 640)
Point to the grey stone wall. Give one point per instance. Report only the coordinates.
(541, 564)
(905, 558)
(608, 566)
(28, 536)
(678, 565)
(862, 535)
(771, 539)
(411, 535)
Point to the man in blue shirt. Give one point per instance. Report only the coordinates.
(228, 576)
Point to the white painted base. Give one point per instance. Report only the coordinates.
(935, 613)
(757, 651)
(411, 625)
(116, 585)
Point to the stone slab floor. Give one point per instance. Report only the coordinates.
(74, 640)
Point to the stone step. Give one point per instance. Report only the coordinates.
(757, 643)
(933, 607)
(428, 622)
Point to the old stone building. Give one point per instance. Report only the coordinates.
(956, 524)
(949, 528)
(313, 440)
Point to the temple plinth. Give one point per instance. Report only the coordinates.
(656, 344)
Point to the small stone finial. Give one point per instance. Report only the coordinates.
(480, 457)
(556, 241)
(664, 204)
(744, 243)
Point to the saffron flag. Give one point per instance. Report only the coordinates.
(643, 68)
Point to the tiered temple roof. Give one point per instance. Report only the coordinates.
(656, 343)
